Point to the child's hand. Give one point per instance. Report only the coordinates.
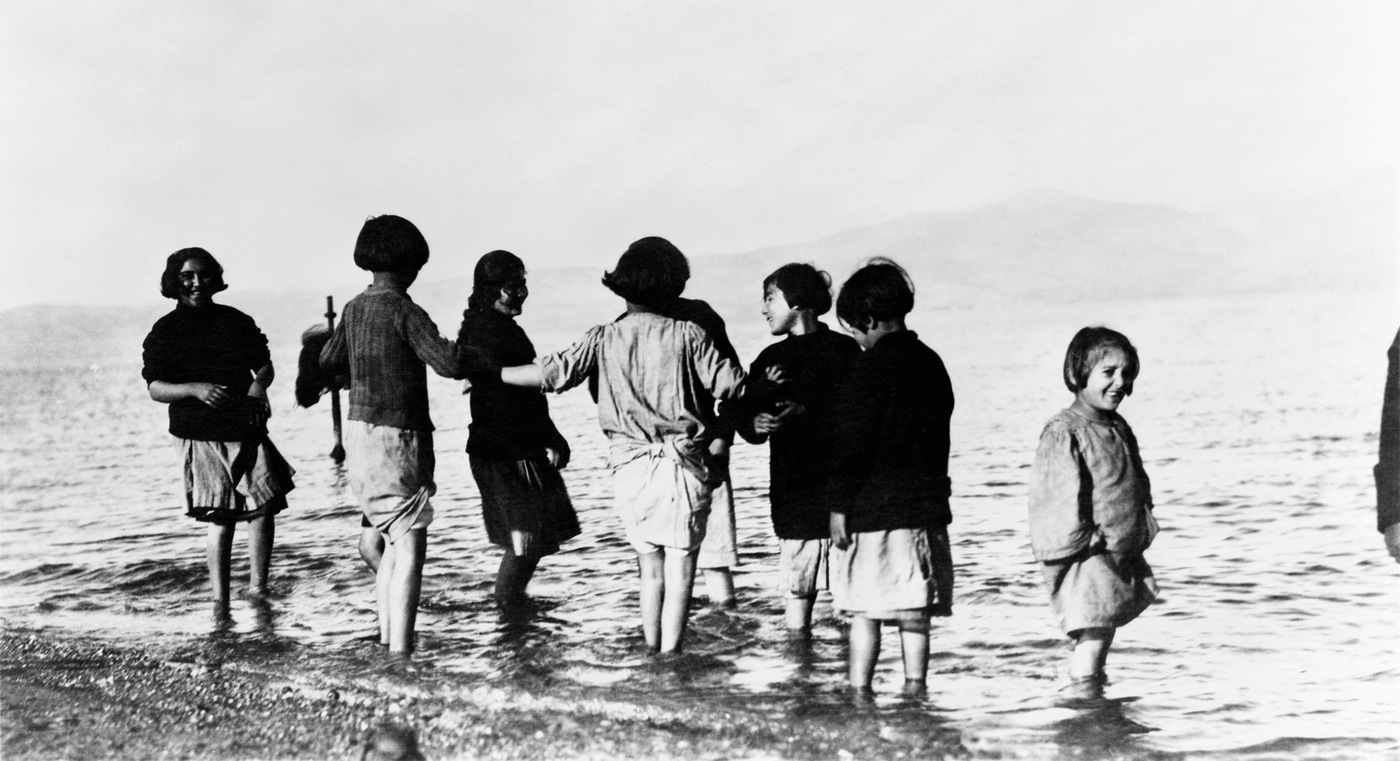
(774, 374)
(522, 542)
(212, 394)
(259, 410)
(719, 449)
(558, 457)
(766, 423)
(1392, 540)
(839, 537)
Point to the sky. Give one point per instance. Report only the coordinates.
(266, 132)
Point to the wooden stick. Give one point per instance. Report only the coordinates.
(338, 452)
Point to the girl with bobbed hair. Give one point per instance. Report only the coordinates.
(657, 378)
(516, 452)
(1091, 515)
(210, 363)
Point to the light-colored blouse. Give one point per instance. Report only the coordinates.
(1088, 488)
(651, 372)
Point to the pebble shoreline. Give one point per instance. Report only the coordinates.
(72, 696)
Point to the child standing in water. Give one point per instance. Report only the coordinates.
(796, 420)
(210, 363)
(889, 485)
(516, 451)
(384, 341)
(656, 376)
(1091, 503)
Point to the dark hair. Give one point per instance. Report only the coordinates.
(802, 285)
(1089, 346)
(390, 244)
(170, 278)
(878, 291)
(651, 272)
(494, 271)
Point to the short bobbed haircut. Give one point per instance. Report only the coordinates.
(803, 287)
(389, 243)
(880, 290)
(170, 278)
(494, 271)
(651, 272)
(1089, 346)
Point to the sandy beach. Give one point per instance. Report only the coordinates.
(87, 697)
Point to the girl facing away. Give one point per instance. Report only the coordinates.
(385, 343)
(796, 421)
(889, 488)
(210, 363)
(1091, 503)
(516, 452)
(656, 378)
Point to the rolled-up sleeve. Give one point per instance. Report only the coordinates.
(569, 367)
(721, 375)
(1059, 524)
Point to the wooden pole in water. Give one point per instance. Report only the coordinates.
(338, 452)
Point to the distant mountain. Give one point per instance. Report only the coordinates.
(1036, 247)
(1051, 246)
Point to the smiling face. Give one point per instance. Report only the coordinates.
(1109, 382)
(510, 300)
(780, 315)
(199, 281)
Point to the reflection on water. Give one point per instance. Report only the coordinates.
(1276, 634)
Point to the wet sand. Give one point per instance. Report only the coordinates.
(67, 696)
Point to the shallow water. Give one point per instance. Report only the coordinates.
(1278, 634)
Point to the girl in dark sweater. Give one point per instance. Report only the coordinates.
(210, 363)
(516, 452)
(888, 491)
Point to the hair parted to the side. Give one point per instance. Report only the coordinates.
(1089, 346)
(880, 290)
(651, 272)
(494, 271)
(170, 278)
(803, 287)
(389, 243)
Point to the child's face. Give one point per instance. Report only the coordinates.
(776, 311)
(511, 299)
(199, 281)
(1108, 383)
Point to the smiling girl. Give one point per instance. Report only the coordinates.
(210, 363)
(1091, 503)
(516, 452)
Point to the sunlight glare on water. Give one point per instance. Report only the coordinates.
(1277, 632)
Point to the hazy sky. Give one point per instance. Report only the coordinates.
(267, 131)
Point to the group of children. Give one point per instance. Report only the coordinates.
(858, 428)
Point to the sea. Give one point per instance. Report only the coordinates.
(1277, 634)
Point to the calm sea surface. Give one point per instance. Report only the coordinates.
(1277, 635)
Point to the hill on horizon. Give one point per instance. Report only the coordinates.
(1037, 247)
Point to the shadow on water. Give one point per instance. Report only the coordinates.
(1098, 726)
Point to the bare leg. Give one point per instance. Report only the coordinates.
(798, 615)
(219, 552)
(675, 613)
(651, 569)
(719, 585)
(405, 589)
(864, 651)
(913, 642)
(1090, 653)
(383, 580)
(514, 576)
(260, 534)
(371, 547)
